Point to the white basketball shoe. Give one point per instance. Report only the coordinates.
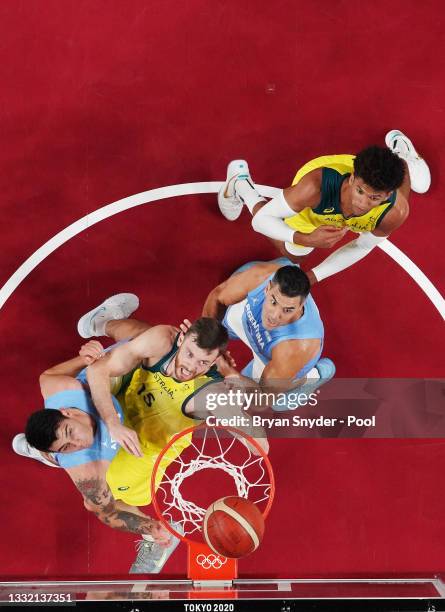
(119, 306)
(230, 204)
(21, 447)
(419, 172)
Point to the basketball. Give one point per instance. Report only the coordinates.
(233, 527)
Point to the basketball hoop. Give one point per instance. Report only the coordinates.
(237, 465)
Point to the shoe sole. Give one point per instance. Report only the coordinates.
(221, 203)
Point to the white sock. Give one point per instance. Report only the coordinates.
(99, 325)
(248, 194)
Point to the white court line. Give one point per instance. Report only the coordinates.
(171, 191)
(416, 274)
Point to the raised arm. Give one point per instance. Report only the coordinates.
(156, 341)
(235, 289)
(90, 480)
(357, 249)
(62, 377)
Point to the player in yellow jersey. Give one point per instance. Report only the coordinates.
(166, 391)
(162, 396)
(331, 195)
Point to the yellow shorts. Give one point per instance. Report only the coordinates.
(129, 477)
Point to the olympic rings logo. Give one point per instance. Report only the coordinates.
(210, 561)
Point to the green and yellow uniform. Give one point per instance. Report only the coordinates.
(335, 170)
(154, 406)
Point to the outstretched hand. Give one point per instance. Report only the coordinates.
(125, 437)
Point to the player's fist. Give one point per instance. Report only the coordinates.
(91, 351)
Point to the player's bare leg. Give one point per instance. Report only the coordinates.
(238, 190)
(125, 328)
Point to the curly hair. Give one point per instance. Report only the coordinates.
(379, 168)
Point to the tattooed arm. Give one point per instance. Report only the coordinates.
(90, 480)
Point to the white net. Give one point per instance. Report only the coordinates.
(215, 454)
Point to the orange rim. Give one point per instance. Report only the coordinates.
(176, 437)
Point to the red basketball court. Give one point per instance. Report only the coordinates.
(104, 100)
